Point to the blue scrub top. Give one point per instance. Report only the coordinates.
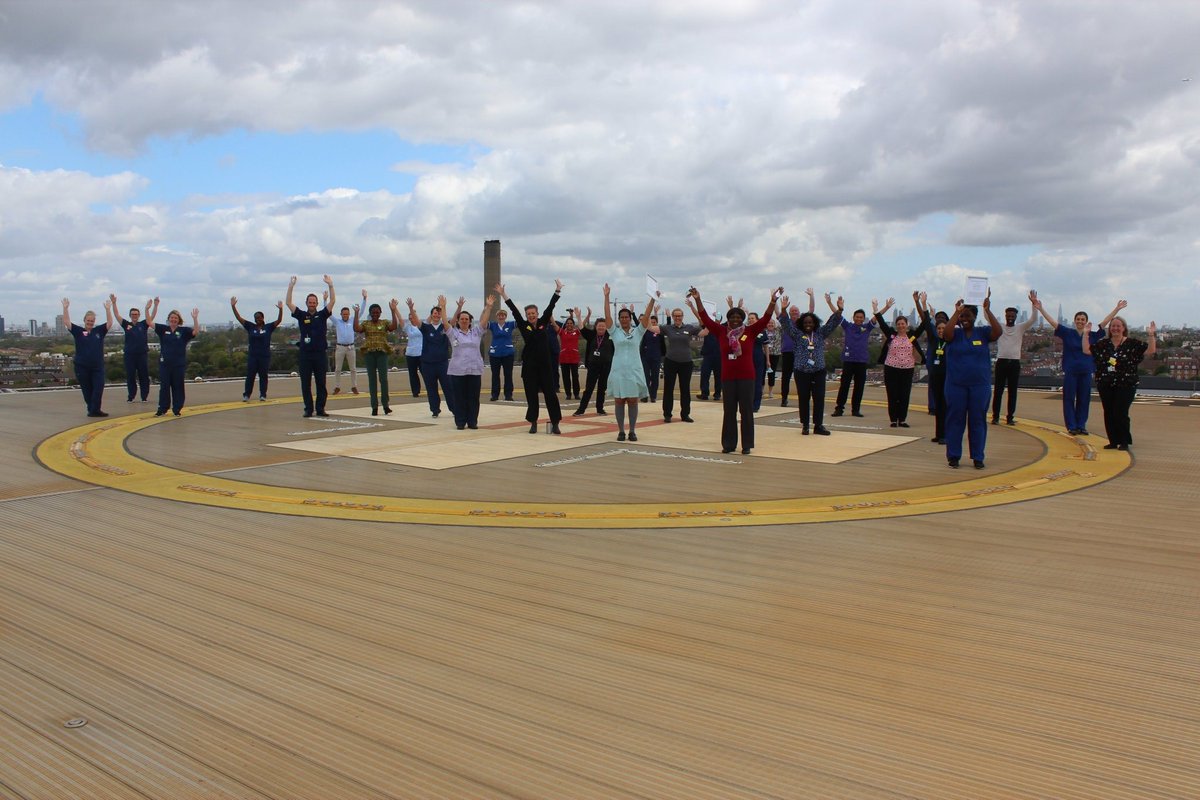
(89, 346)
(136, 335)
(435, 344)
(502, 341)
(969, 360)
(260, 337)
(172, 348)
(314, 329)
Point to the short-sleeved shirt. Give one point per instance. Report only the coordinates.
(416, 342)
(172, 344)
(1116, 367)
(1012, 337)
(260, 337)
(89, 346)
(679, 341)
(375, 336)
(435, 345)
(857, 342)
(502, 341)
(467, 358)
(1074, 360)
(136, 336)
(568, 346)
(969, 361)
(314, 329)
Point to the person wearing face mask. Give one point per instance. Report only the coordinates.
(435, 354)
(968, 379)
(173, 339)
(808, 336)
(899, 359)
(855, 354)
(1116, 358)
(678, 365)
(376, 349)
(345, 351)
(736, 341)
(598, 356)
(1077, 367)
(258, 351)
(89, 355)
(136, 349)
(313, 344)
(1008, 360)
(466, 365)
(537, 366)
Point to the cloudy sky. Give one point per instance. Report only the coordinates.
(196, 150)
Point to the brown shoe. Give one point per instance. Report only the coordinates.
(337, 390)
(353, 390)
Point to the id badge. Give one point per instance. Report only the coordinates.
(812, 363)
(732, 357)
(937, 361)
(595, 354)
(308, 340)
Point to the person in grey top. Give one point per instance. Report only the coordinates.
(677, 365)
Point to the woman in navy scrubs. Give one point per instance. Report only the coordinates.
(258, 354)
(173, 340)
(968, 379)
(89, 355)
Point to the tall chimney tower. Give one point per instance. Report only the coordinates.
(491, 266)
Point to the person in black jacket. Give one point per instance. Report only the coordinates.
(598, 356)
(537, 367)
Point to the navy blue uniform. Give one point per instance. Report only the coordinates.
(89, 365)
(312, 358)
(258, 357)
(968, 390)
(710, 366)
(137, 358)
(435, 364)
(652, 356)
(172, 366)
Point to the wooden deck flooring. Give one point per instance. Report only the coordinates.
(1048, 649)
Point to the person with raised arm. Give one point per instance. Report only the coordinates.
(786, 346)
(173, 339)
(678, 365)
(136, 348)
(652, 355)
(502, 354)
(935, 365)
(1116, 357)
(537, 368)
(377, 349)
(258, 351)
(1077, 367)
(736, 341)
(627, 378)
(414, 343)
(710, 362)
(313, 344)
(345, 349)
(968, 379)
(435, 354)
(856, 347)
(89, 355)
(598, 356)
(808, 336)
(568, 355)
(899, 359)
(466, 364)
(1008, 360)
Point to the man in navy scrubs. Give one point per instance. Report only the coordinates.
(313, 344)
(137, 350)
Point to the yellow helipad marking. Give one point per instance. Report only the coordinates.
(96, 454)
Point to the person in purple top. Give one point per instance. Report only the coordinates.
(855, 354)
(1077, 367)
(89, 355)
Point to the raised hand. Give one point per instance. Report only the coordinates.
(107, 305)
(364, 294)
(355, 307)
(809, 292)
(607, 290)
(1121, 304)
(1152, 329)
(409, 300)
(394, 304)
(1033, 297)
(490, 301)
(558, 286)
(499, 288)
(785, 300)
(328, 280)
(841, 304)
(441, 301)
(233, 301)
(195, 314)
(66, 303)
(875, 305)
(987, 301)
(279, 304)
(325, 296)
(462, 301)
(1087, 327)
(291, 282)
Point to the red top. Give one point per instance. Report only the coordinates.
(741, 367)
(569, 354)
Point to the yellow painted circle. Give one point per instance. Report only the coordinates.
(95, 453)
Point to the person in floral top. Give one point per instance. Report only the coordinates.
(1117, 357)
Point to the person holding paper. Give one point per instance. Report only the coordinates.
(1008, 360)
(968, 380)
(1077, 367)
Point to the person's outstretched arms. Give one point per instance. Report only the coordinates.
(112, 298)
(332, 294)
(1121, 305)
(997, 330)
(233, 304)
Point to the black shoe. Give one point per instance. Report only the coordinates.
(473, 427)
(745, 451)
(435, 414)
(821, 430)
(262, 398)
(716, 397)
(307, 414)
(387, 409)
(509, 399)
(533, 427)
(856, 413)
(1082, 432)
(322, 414)
(602, 412)
(176, 413)
(461, 427)
(895, 424)
(978, 464)
(621, 436)
(159, 413)
(667, 418)
(245, 398)
(804, 432)
(902, 424)
(1010, 421)
(1072, 432)
(632, 437)
(995, 420)
(687, 419)
(936, 440)
(783, 404)
(374, 412)
(579, 413)
(1119, 447)
(837, 412)
(130, 400)
(492, 399)
(701, 397)
(953, 462)
(1110, 446)
(726, 449)
(554, 429)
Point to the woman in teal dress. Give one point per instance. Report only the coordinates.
(627, 379)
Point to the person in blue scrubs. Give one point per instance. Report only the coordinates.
(258, 354)
(968, 379)
(313, 360)
(89, 355)
(137, 348)
(173, 340)
(1077, 367)
(435, 354)
(502, 353)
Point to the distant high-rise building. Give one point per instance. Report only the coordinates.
(60, 329)
(1060, 316)
(33, 327)
(1, 326)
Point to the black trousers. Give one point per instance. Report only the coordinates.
(257, 366)
(502, 364)
(535, 380)
(937, 395)
(597, 381)
(171, 381)
(680, 371)
(898, 382)
(787, 362)
(738, 400)
(312, 366)
(651, 369)
(570, 379)
(137, 374)
(1008, 375)
(710, 365)
(1116, 401)
(856, 372)
(810, 390)
(414, 374)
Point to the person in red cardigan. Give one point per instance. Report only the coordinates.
(737, 342)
